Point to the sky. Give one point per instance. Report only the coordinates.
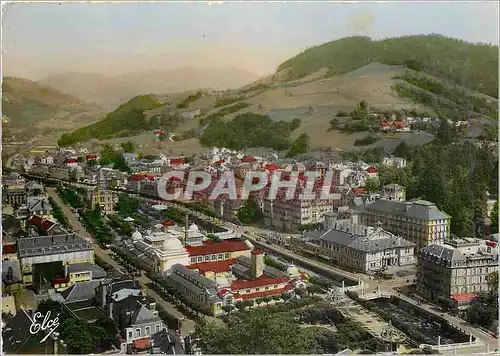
(41, 39)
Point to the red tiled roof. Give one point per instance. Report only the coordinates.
(491, 244)
(400, 124)
(463, 296)
(168, 223)
(159, 132)
(8, 249)
(216, 266)
(142, 343)
(371, 170)
(41, 223)
(70, 161)
(262, 281)
(90, 157)
(60, 280)
(136, 177)
(358, 190)
(176, 161)
(249, 159)
(257, 252)
(209, 247)
(266, 293)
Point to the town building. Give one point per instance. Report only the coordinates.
(43, 259)
(393, 161)
(11, 286)
(165, 246)
(215, 285)
(137, 319)
(14, 191)
(38, 205)
(393, 192)
(358, 248)
(418, 221)
(458, 269)
(102, 197)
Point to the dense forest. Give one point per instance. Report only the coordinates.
(455, 176)
(127, 120)
(455, 103)
(475, 66)
(248, 130)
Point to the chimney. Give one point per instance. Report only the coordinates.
(257, 263)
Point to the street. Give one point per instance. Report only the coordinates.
(187, 325)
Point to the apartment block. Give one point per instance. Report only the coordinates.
(457, 269)
(418, 221)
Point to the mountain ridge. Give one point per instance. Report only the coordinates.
(112, 91)
(28, 107)
(473, 65)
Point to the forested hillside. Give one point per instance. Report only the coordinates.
(127, 120)
(475, 66)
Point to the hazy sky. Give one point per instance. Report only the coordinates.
(40, 39)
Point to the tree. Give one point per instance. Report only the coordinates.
(493, 282)
(254, 332)
(402, 150)
(300, 145)
(372, 185)
(300, 292)
(494, 218)
(107, 155)
(445, 132)
(109, 331)
(128, 147)
(250, 212)
(313, 289)
(228, 309)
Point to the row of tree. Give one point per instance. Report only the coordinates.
(249, 130)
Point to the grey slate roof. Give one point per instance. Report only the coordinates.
(195, 277)
(38, 203)
(47, 245)
(194, 282)
(243, 269)
(139, 312)
(376, 240)
(418, 209)
(167, 342)
(80, 291)
(443, 252)
(97, 272)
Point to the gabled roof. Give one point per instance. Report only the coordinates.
(209, 247)
(80, 291)
(216, 266)
(417, 209)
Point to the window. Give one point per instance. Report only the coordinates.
(130, 334)
(147, 330)
(193, 260)
(207, 258)
(227, 255)
(200, 259)
(137, 332)
(220, 256)
(157, 328)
